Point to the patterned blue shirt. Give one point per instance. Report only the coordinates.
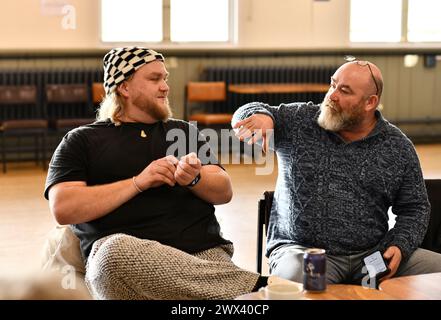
(335, 195)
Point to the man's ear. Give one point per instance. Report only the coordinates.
(371, 103)
(123, 89)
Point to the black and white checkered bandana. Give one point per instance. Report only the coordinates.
(120, 63)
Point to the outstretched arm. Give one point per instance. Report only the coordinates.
(256, 127)
(259, 120)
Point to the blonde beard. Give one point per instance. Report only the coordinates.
(156, 111)
(162, 113)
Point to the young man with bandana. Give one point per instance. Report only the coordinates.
(144, 216)
(341, 167)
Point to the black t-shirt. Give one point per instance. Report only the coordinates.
(102, 153)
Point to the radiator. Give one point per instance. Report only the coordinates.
(267, 74)
(41, 77)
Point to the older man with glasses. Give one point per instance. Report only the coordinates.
(342, 166)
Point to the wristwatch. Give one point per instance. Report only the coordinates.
(196, 180)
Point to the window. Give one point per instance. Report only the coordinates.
(147, 21)
(395, 21)
(199, 20)
(424, 22)
(375, 21)
(131, 21)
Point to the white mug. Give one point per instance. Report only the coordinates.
(281, 291)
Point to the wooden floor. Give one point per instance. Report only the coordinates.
(25, 217)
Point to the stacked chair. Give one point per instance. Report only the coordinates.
(22, 116)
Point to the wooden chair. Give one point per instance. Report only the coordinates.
(98, 93)
(21, 115)
(206, 95)
(432, 239)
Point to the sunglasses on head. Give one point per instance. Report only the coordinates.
(363, 63)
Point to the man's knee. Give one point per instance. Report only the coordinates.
(110, 249)
(110, 263)
(112, 256)
(289, 266)
(420, 262)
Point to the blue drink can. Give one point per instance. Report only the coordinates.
(314, 270)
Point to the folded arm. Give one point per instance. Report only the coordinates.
(214, 185)
(74, 202)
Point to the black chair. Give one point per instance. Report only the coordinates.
(22, 116)
(432, 239)
(264, 212)
(68, 106)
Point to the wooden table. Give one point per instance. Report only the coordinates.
(335, 292)
(419, 287)
(261, 88)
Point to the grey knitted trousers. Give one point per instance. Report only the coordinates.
(125, 267)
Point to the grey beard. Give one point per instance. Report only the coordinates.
(329, 121)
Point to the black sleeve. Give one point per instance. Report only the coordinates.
(69, 161)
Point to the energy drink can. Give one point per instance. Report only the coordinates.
(314, 270)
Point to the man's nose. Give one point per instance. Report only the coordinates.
(333, 94)
(164, 87)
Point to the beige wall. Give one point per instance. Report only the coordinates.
(289, 23)
(262, 24)
(302, 25)
(22, 26)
